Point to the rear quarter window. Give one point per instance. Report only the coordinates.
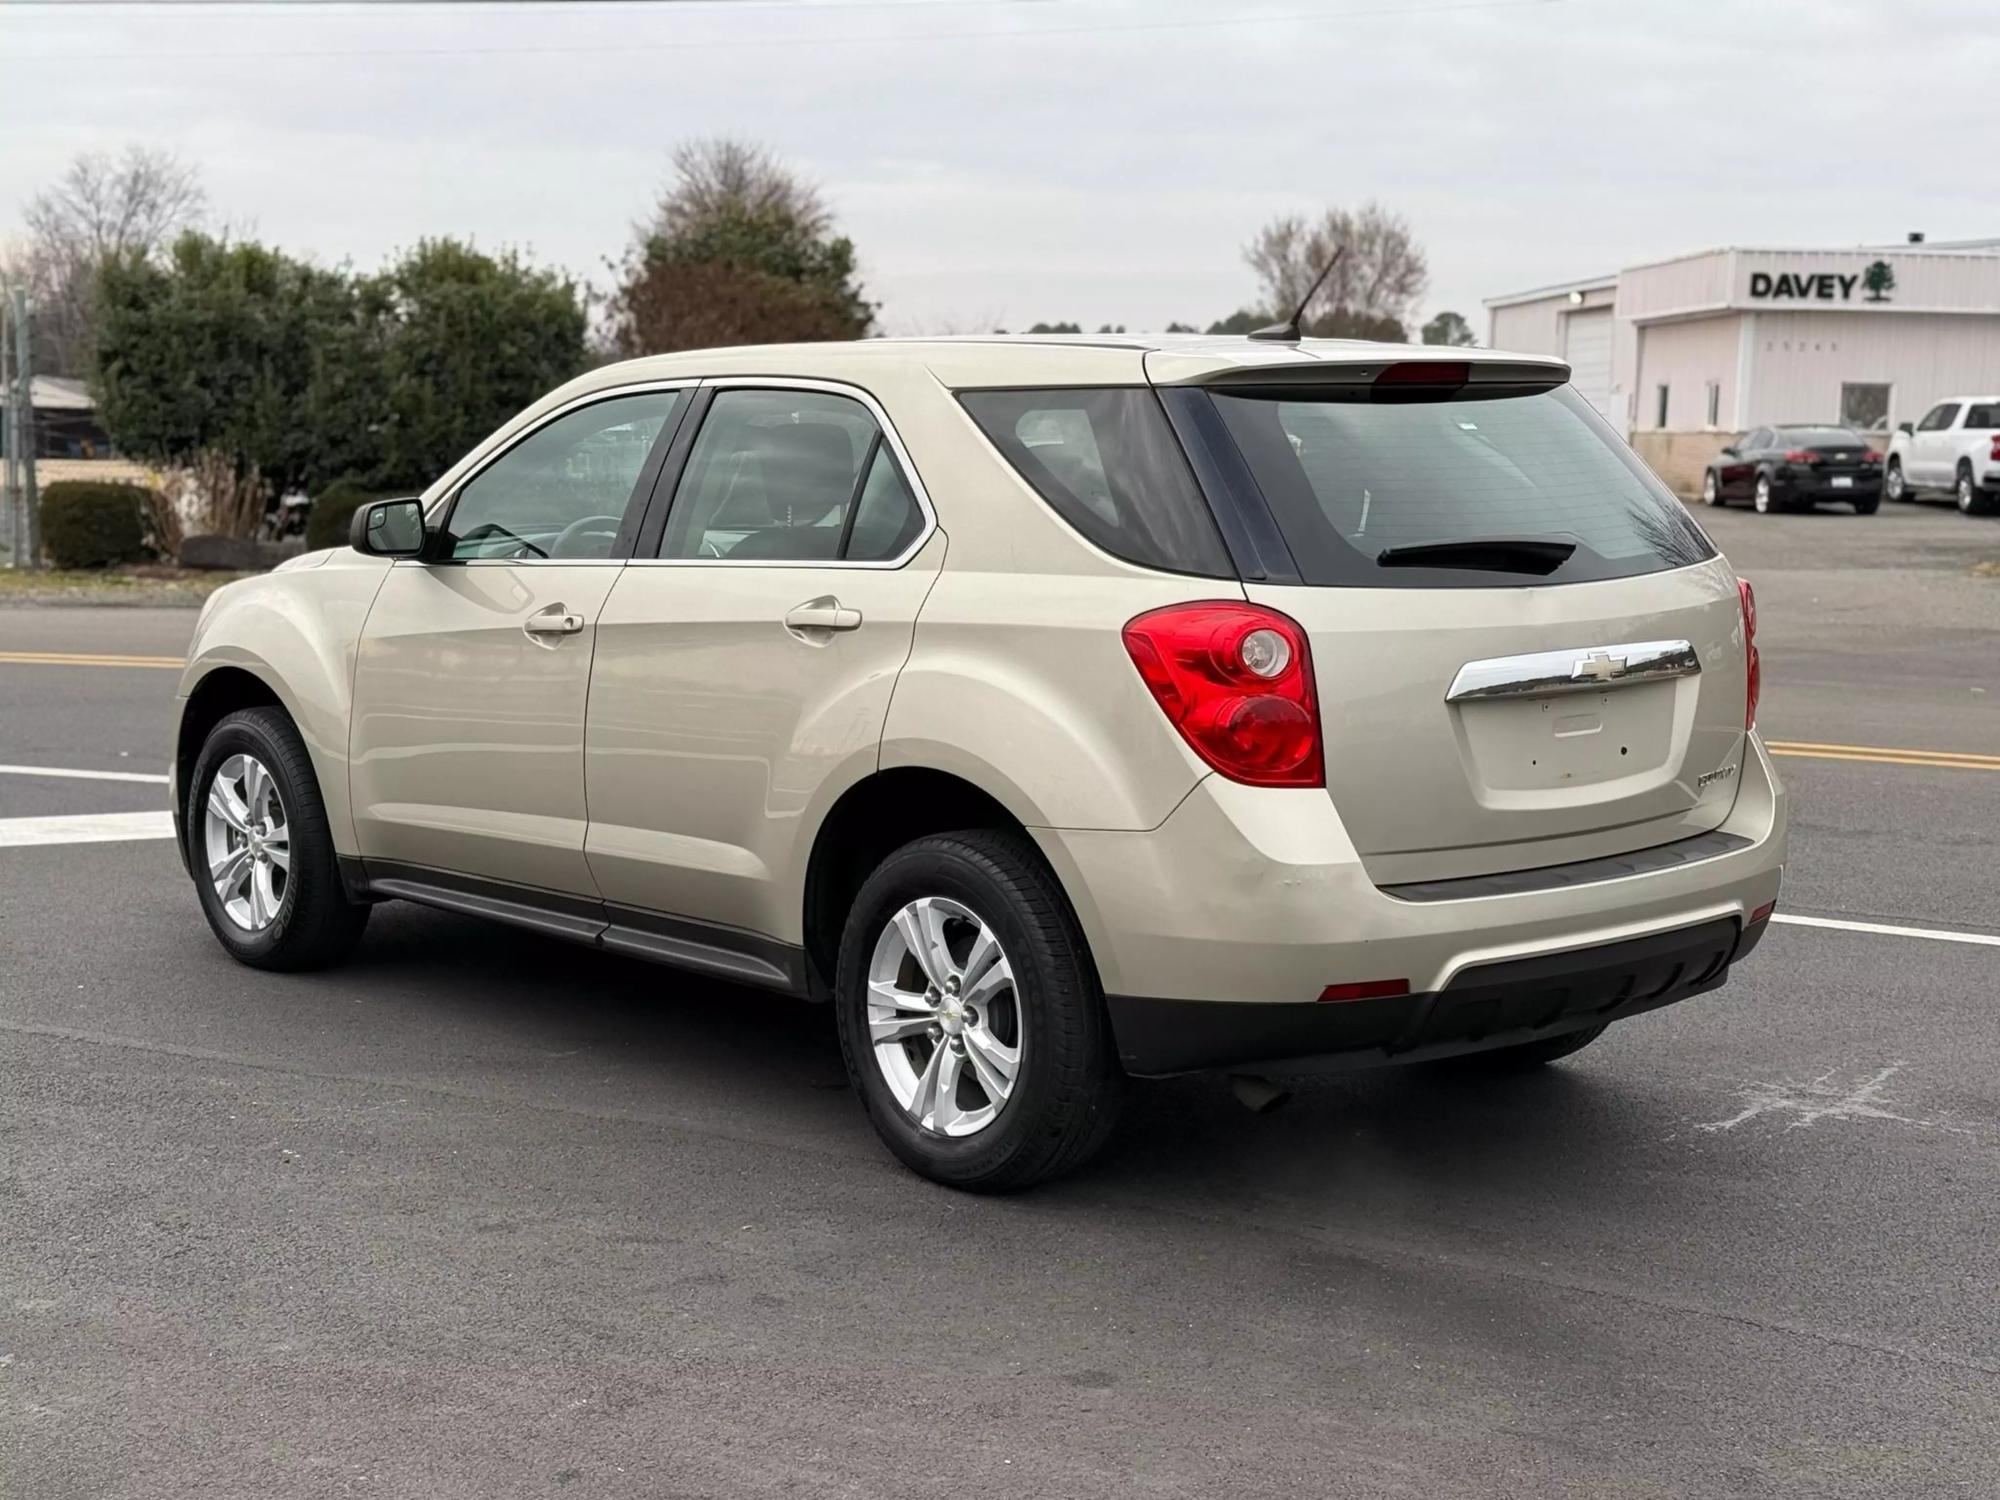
(1349, 478)
(1107, 462)
(1983, 417)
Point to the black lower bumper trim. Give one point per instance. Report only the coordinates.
(1487, 1006)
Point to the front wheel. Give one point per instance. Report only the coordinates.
(1893, 485)
(260, 850)
(970, 1016)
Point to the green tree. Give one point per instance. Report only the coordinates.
(1449, 328)
(464, 340)
(1880, 280)
(1056, 328)
(739, 250)
(237, 349)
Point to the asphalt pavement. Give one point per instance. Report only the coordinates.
(481, 1214)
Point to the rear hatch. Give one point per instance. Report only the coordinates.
(1526, 652)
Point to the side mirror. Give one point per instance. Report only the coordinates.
(1729, 450)
(1906, 427)
(388, 528)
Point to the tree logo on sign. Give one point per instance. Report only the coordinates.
(1879, 280)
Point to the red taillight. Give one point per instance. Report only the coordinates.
(1762, 913)
(1870, 456)
(1236, 681)
(1753, 670)
(1993, 449)
(1366, 989)
(1801, 456)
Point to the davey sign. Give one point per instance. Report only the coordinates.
(1877, 281)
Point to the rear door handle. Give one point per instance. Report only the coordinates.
(825, 613)
(555, 620)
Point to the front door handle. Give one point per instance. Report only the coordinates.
(555, 620)
(823, 613)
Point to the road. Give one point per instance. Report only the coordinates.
(482, 1215)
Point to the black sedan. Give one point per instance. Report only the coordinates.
(1796, 468)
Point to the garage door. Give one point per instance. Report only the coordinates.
(1587, 347)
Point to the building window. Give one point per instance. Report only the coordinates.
(1714, 406)
(1660, 411)
(1865, 407)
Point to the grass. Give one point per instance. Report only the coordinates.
(1990, 569)
(134, 583)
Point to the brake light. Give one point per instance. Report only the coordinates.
(1426, 372)
(1366, 989)
(1753, 672)
(1236, 681)
(1801, 456)
(1993, 449)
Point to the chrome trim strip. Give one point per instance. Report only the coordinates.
(1583, 670)
(889, 435)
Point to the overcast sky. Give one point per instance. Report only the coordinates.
(1002, 161)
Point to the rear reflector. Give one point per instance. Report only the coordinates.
(1366, 989)
(1753, 666)
(1762, 912)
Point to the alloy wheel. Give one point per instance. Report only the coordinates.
(246, 838)
(1711, 493)
(1763, 495)
(945, 1024)
(1892, 482)
(1967, 498)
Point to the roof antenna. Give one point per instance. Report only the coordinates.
(1287, 332)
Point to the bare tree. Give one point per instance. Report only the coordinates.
(103, 206)
(717, 176)
(1380, 276)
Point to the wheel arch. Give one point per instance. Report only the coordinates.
(879, 814)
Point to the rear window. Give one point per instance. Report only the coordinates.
(1108, 463)
(1982, 417)
(1380, 495)
(1820, 437)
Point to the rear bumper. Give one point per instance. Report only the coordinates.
(1819, 487)
(1485, 1007)
(1217, 932)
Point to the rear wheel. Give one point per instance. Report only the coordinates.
(1525, 1056)
(1765, 502)
(970, 1016)
(258, 845)
(1711, 489)
(1972, 500)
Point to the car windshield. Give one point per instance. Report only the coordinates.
(1819, 437)
(1461, 491)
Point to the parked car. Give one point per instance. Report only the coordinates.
(1796, 468)
(1058, 711)
(1953, 451)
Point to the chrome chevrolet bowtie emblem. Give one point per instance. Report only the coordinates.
(1598, 666)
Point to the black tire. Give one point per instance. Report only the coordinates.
(1972, 500)
(1524, 1057)
(1711, 489)
(1064, 1100)
(1893, 485)
(1867, 505)
(316, 924)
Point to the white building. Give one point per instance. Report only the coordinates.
(1725, 340)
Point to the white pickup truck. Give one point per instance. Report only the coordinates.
(1954, 450)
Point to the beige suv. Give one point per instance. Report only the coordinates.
(1060, 711)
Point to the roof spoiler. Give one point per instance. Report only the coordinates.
(1401, 375)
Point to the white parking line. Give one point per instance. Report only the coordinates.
(1885, 929)
(85, 828)
(83, 775)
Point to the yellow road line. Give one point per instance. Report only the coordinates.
(1943, 760)
(89, 659)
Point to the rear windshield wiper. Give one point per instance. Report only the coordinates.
(1502, 554)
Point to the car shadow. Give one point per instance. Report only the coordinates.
(516, 1000)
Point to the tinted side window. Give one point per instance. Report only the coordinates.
(1984, 418)
(562, 491)
(790, 476)
(1107, 462)
(1757, 441)
(1938, 417)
